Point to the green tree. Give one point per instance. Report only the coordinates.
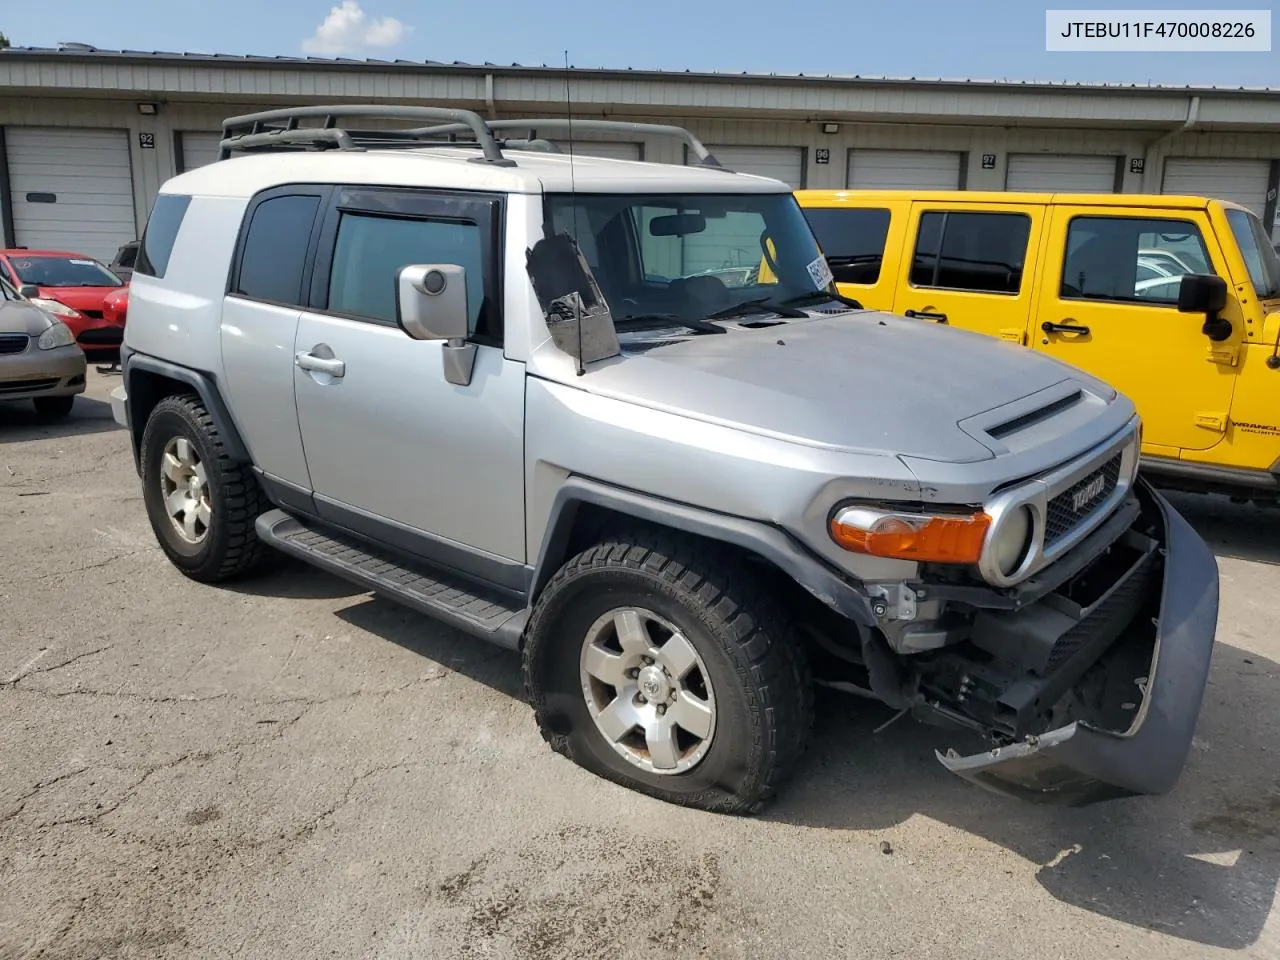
(4, 41)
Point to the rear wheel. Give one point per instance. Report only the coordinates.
(202, 505)
(54, 406)
(660, 663)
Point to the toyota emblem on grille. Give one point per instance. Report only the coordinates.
(1089, 492)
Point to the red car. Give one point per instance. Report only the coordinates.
(73, 288)
(115, 306)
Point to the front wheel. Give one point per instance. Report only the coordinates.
(659, 663)
(202, 505)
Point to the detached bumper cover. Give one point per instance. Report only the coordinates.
(1081, 764)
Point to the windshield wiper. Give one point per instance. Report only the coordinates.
(670, 320)
(759, 305)
(818, 296)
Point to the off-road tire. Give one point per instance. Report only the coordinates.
(231, 547)
(761, 679)
(54, 408)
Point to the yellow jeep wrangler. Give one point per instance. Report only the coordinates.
(1173, 300)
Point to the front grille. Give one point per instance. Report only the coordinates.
(1065, 514)
(92, 314)
(1108, 617)
(13, 342)
(21, 386)
(101, 335)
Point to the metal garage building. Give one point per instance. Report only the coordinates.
(88, 136)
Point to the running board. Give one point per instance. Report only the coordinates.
(485, 614)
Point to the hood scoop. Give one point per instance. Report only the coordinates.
(1034, 419)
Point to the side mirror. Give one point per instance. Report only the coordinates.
(29, 291)
(431, 301)
(1205, 293)
(1202, 293)
(431, 304)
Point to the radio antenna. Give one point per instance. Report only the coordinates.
(573, 204)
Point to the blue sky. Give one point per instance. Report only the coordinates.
(1001, 39)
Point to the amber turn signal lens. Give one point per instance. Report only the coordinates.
(906, 536)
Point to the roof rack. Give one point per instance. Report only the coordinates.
(272, 129)
(280, 129)
(705, 156)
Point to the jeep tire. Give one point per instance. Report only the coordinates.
(202, 505)
(735, 671)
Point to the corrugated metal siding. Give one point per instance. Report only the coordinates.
(1060, 173)
(874, 169)
(87, 173)
(1242, 181)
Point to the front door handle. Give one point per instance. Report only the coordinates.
(927, 315)
(1050, 327)
(310, 362)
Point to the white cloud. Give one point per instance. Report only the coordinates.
(348, 28)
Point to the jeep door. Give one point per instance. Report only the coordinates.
(862, 239)
(394, 450)
(972, 266)
(1102, 308)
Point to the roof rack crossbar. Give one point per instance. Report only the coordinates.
(263, 134)
(705, 156)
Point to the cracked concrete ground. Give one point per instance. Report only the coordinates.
(292, 769)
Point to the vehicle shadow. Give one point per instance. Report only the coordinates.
(19, 421)
(1239, 530)
(289, 578)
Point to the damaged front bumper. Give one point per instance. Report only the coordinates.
(1089, 760)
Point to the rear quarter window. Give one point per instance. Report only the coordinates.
(852, 239)
(161, 233)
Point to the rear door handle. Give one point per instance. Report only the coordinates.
(1050, 327)
(309, 361)
(927, 315)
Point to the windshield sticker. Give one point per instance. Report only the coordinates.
(821, 274)
(84, 263)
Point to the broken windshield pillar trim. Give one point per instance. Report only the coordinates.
(577, 315)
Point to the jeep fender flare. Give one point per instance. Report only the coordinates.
(840, 593)
(140, 398)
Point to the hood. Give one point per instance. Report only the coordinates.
(79, 298)
(22, 317)
(863, 382)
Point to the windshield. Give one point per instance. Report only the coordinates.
(63, 272)
(689, 256)
(1259, 256)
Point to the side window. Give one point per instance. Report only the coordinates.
(1130, 258)
(160, 234)
(370, 250)
(274, 255)
(852, 239)
(983, 252)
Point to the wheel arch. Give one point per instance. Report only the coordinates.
(584, 509)
(149, 380)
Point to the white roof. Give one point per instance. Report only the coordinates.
(459, 168)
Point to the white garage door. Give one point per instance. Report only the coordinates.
(72, 189)
(1241, 181)
(1060, 173)
(600, 148)
(903, 170)
(781, 163)
(198, 149)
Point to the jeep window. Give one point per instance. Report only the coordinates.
(370, 250)
(852, 238)
(982, 252)
(691, 255)
(1259, 255)
(275, 249)
(46, 271)
(160, 234)
(1131, 259)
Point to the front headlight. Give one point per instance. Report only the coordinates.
(53, 306)
(58, 335)
(924, 538)
(1011, 540)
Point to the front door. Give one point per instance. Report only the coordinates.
(971, 266)
(1109, 306)
(390, 444)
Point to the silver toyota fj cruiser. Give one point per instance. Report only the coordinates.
(615, 415)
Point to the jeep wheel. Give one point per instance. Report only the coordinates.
(201, 504)
(660, 663)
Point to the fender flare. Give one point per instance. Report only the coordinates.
(840, 593)
(204, 387)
